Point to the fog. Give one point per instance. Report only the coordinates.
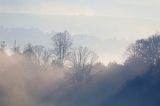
(24, 83)
(36, 76)
(79, 53)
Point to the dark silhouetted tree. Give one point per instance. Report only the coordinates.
(145, 50)
(2, 45)
(61, 44)
(39, 52)
(82, 60)
(16, 49)
(28, 51)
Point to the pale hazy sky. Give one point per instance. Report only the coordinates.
(145, 9)
(141, 14)
(119, 19)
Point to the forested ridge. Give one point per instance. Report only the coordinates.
(65, 75)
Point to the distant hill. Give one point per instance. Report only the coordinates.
(23, 36)
(107, 49)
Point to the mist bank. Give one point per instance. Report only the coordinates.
(23, 82)
(26, 82)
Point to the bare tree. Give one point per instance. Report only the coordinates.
(47, 56)
(16, 49)
(28, 51)
(43, 55)
(61, 43)
(2, 45)
(82, 60)
(145, 50)
(39, 52)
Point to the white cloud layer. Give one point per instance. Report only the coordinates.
(119, 8)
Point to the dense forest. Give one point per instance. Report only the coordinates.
(65, 75)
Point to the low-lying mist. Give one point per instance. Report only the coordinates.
(24, 83)
(27, 81)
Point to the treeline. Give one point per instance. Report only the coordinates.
(81, 60)
(62, 53)
(86, 82)
(134, 83)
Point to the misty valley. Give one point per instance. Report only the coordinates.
(79, 53)
(66, 74)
